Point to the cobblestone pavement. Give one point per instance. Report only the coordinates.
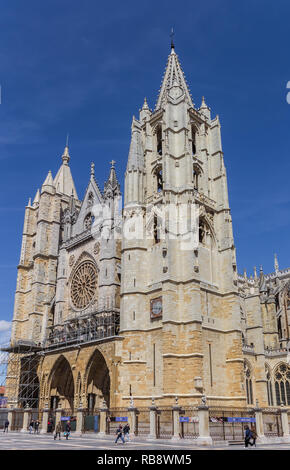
(26, 441)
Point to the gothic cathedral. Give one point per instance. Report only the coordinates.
(112, 304)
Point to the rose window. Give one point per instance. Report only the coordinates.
(84, 284)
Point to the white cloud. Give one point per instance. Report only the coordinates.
(5, 325)
(5, 332)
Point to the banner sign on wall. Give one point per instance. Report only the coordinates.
(241, 420)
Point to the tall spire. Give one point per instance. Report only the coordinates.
(63, 181)
(173, 76)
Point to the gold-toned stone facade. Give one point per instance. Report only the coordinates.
(122, 318)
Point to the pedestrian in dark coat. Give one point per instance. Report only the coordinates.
(119, 433)
(36, 426)
(248, 435)
(126, 431)
(6, 426)
(67, 430)
(31, 426)
(254, 437)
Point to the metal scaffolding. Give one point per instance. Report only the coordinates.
(84, 329)
(18, 365)
(19, 361)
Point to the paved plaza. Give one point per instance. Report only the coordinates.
(26, 441)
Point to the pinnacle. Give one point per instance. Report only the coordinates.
(36, 199)
(48, 180)
(65, 157)
(145, 105)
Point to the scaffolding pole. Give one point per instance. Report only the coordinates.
(18, 366)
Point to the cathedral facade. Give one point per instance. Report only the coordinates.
(116, 304)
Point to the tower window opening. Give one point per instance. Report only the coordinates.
(249, 386)
(193, 141)
(159, 140)
(156, 229)
(280, 334)
(159, 179)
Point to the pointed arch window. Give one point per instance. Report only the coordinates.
(282, 384)
(159, 140)
(249, 386)
(193, 140)
(156, 229)
(196, 176)
(279, 325)
(158, 178)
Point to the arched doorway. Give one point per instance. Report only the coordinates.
(62, 385)
(98, 381)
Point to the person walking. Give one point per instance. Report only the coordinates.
(254, 437)
(67, 430)
(119, 433)
(50, 425)
(57, 431)
(36, 427)
(248, 436)
(126, 431)
(31, 426)
(6, 426)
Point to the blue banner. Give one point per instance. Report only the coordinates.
(65, 418)
(188, 419)
(121, 418)
(241, 420)
(3, 402)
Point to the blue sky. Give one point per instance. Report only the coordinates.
(84, 68)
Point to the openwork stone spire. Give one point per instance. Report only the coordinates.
(173, 76)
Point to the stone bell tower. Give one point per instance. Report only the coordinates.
(180, 313)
